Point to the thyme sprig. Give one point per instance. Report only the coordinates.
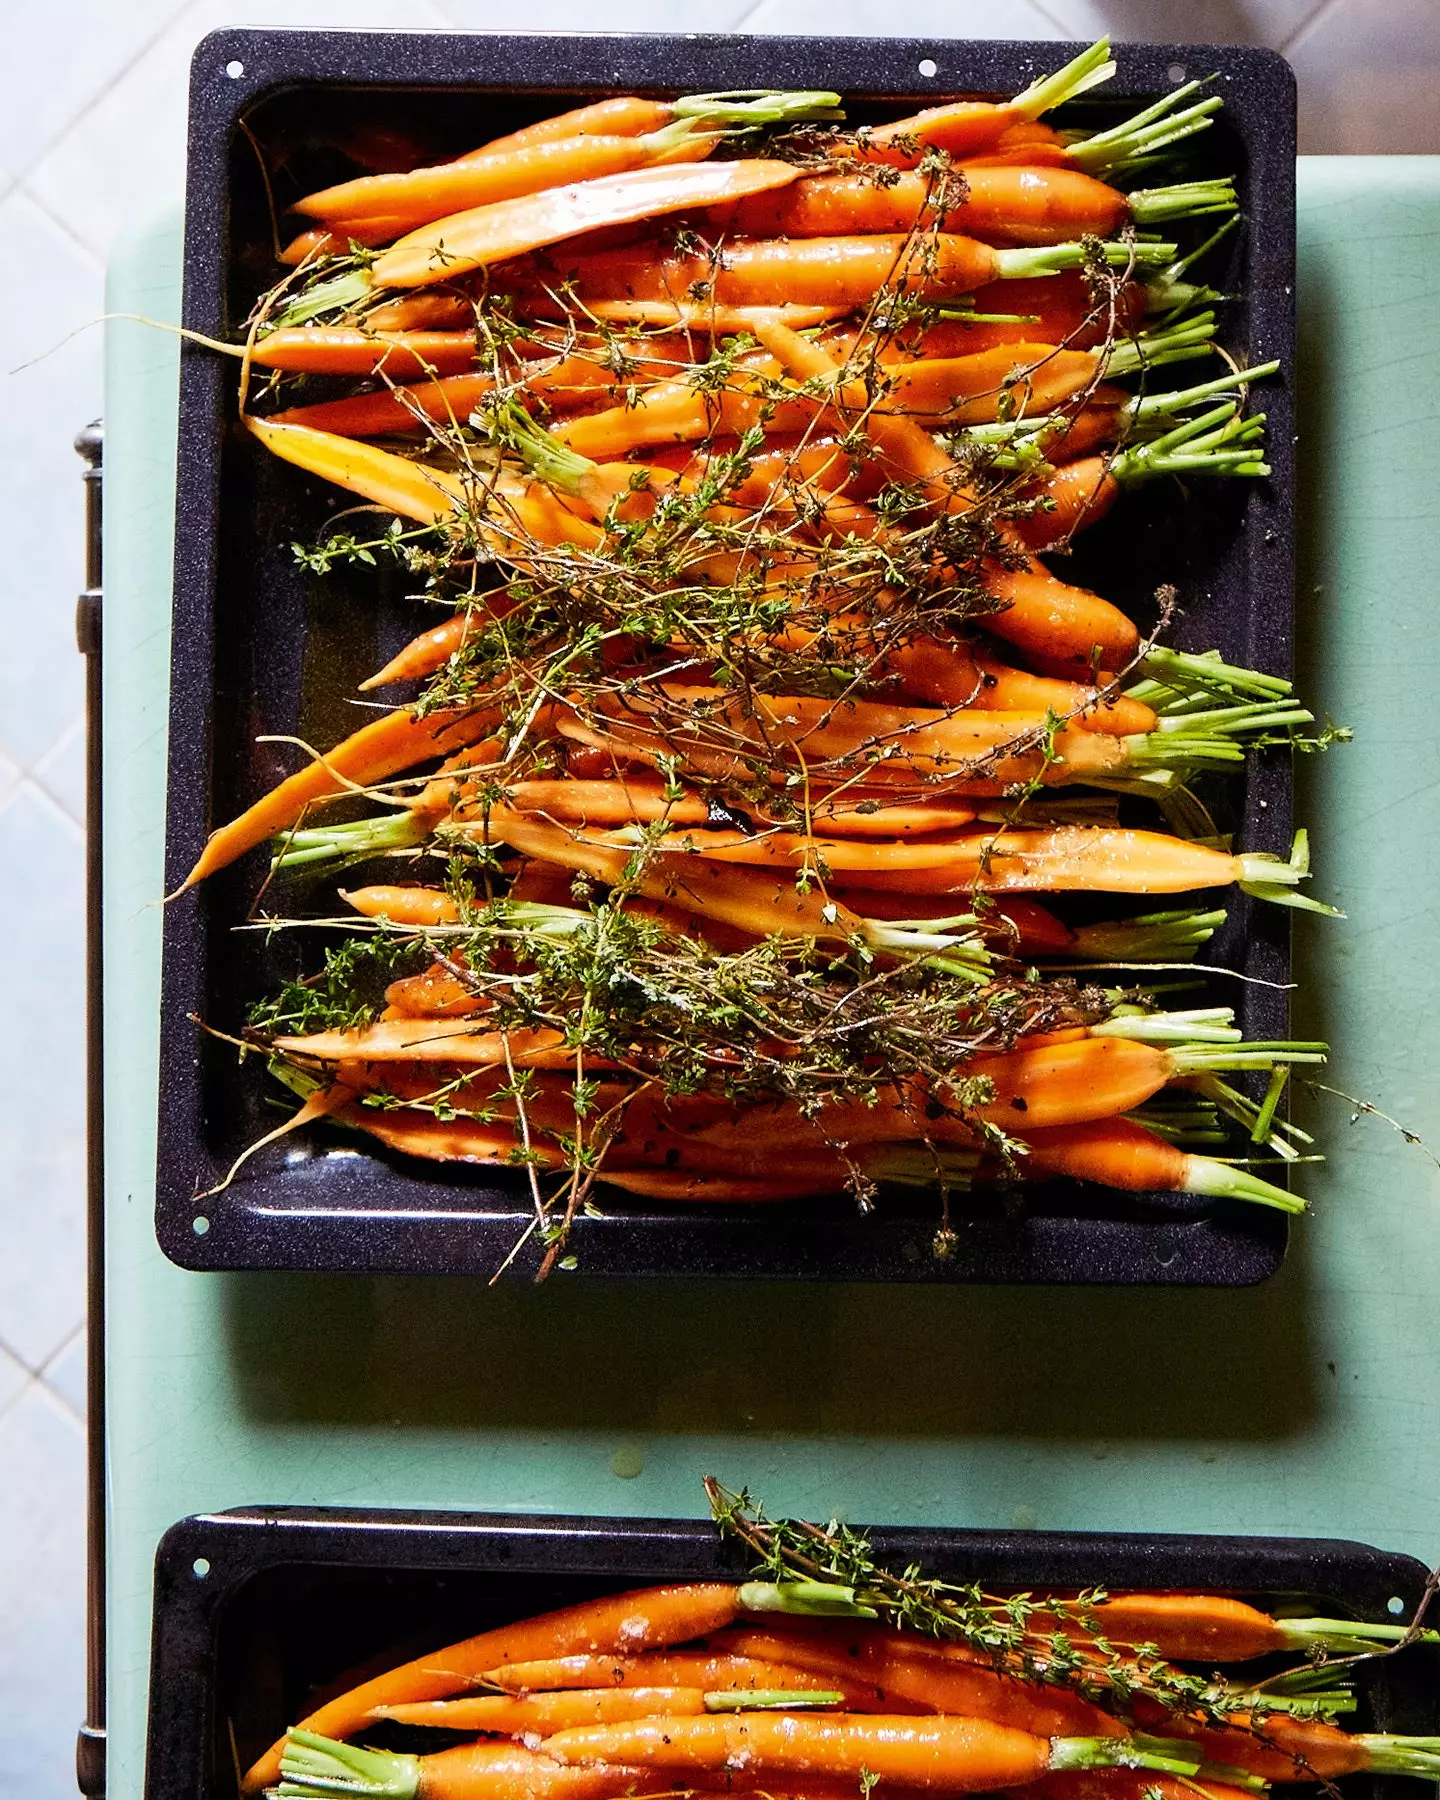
(1051, 1642)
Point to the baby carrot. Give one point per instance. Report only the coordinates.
(506, 1716)
(960, 126)
(641, 1619)
(394, 742)
(404, 905)
(1015, 205)
(490, 234)
(663, 1668)
(1217, 1628)
(843, 271)
(1118, 1153)
(624, 115)
(425, 653)
(347, 350)
(315, 1765)
(950, 1755)
(1132, 1784)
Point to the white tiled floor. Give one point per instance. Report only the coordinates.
(98, 137)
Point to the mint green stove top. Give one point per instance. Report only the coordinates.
(1309, 1406)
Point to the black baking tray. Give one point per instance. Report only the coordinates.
(259, 648)
(260, 1614)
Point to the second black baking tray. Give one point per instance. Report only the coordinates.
(260, 1614)
(260, 649)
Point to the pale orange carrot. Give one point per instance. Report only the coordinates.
(660, 1668)
(404, 905)
(505, 1716)
(429, 651)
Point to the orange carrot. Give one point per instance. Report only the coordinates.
(1130, 1784)
(347, 350)
(425, 653)
(479, 1771)
(735, 896)
(404, 905)
(645, 1618)
(428, 309)
(662, 1668)
(950, 674)
(1017, 924)
(1070, 858)
(501, 1715)
(672, 1185)
(624, 115)
(490, 234)
(968, 1688)
(1001, 205)
(320, 241)
(1080, 494)
(421, 195)
(949, 1755)
(458, 1041)
(388, 745)
(832, 271)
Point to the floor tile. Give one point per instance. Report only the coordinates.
(42, 1595)
(1368, 72)
(42, 1112)
(42, 406)
(1272, 22)
(61, 771)
(873, 18)
(14, 1378)
(129, 152)
(98, 40)
(65, 1373)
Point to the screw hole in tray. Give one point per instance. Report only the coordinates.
(929, 68)
(1177, 73)
(200, 1225)
(1395, 1605)
(234, 70)
(201, 1567)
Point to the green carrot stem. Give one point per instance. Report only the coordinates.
(1224, 1181)
(1055, 259)
(923, 1166)
(1183, 200)
(753, 107)
(1178, 268)
(352, 842)
(1152, 937)
(1138, 1752)
(1191, 336)
(337, 295)
(1387, 1755)
(810, 1599)
(1176, 297)
(1083, 72)
(1207, 669)
(771, 1699)
(1265, 1117)
(1274, 878)
(1348, 1637)
(1155, 127)
(1245, 1112)
(1200, 1025)
(314, 1767)
(1197, 1059)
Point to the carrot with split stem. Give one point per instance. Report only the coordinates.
(641, 1619)
(624, 115)
(948, 1755)
(489, 234)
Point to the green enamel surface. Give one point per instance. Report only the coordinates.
(1308, 1406)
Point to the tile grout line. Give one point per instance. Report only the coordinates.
(107, 87)
(41, 205)
(42, 1374)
